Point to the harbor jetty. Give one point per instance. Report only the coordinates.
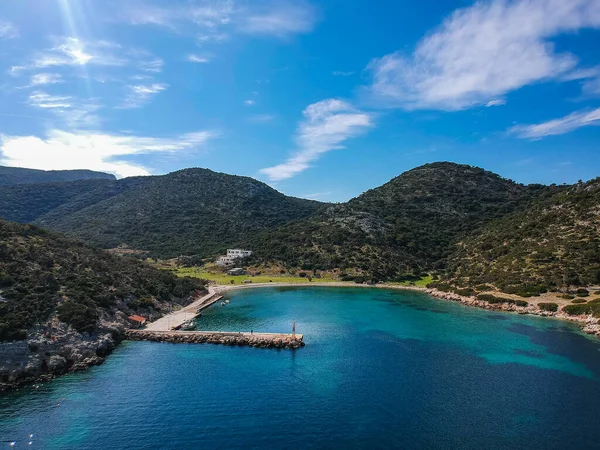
(176, 319)
(260, 340)
(167, 329)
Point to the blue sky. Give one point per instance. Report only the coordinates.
(321, 99)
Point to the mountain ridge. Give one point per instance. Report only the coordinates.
(17, 175)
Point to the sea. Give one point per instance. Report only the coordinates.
(381, 369)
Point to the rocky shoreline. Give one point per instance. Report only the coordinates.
(47, 355)
(590, 325)
(232, 339)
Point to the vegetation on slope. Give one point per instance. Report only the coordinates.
(553, 244)
(42, 273)
(17, 175)
(190, 212)
(401, 229)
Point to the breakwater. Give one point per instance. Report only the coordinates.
(259, 340)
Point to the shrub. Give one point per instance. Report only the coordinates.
(466, 292)
(552, 307)
(579, 300)
(576, 310)
(566, 296)
(583, 295)
(582, 291)
(521, 303)
(302, 274)
(81, 317)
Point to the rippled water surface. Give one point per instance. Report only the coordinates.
(381, 369)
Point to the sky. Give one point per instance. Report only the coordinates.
(319, 99)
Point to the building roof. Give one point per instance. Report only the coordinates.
(137, 318)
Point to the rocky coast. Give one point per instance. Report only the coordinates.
(54, 349)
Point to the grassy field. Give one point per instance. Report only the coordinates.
(221, 278)
(423, 282)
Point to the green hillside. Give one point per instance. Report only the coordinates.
(190, 212)
(554, 243)
(42, 273)
(407, 226)
(17, 175)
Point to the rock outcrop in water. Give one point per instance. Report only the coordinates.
(46, 355)
(195, 337)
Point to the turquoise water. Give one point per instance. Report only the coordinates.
(381, 369)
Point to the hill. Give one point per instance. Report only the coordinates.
(190, 212)
(401, 229)
(64, 305)
(552, 244)
(43, 273)
(17, 175)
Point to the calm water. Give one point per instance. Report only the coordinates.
(381, 369)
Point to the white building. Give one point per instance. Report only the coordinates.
(238, 253)
(233, 255)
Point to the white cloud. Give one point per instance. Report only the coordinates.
(67, 110)
(280, 18)
(88, 150)
(592, 87)
(139, 95)
(497, 102)
(197, 58)
(326, 125)
(558, 126)
(75, 52)
(213, 20)
(481, 53)
(45, 78)
(153, 65)
(8, 30)
(249, 102)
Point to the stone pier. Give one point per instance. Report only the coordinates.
(260, 340)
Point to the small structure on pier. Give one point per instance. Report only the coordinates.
(137, 321)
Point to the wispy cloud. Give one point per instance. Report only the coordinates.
(67, 110)
(497, 102)
(316, 195)
(152, 65)
(326, 125)
(339, 73)
(8, 30)
(88, 150)
(214, 20)
(139, 95)
(41, 79)
(249, 102)
(261, 118)
(481, 53)
(279, 18)
(563, 125)
(75, 52)
(197, 58)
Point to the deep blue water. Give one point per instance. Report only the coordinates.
(381, 369)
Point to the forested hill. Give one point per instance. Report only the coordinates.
(16, 175)
(43, 273)
(407, 226)
(554, 243)
(189, 212)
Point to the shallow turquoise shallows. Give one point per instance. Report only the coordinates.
(381, 369)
